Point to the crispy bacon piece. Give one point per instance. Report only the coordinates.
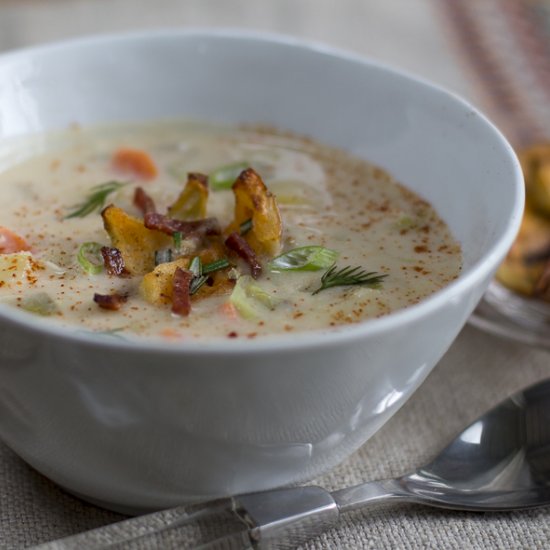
(181, 298)
(114, 262)
(208, 226)
(237, 243)
(112, 302)
(143, 201)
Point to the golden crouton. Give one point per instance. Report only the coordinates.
(253, 201)
(136, 243)
(191, 203)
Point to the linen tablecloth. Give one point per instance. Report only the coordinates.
(478, 371)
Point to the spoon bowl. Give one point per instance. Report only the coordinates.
(500, 462)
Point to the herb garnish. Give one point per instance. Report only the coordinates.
(177, 236)
(195, 267)
(200, 272)
(348, 276)
(163, 256)
(215, 266)
(245, 227)
(96, 199)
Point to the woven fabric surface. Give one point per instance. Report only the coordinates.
(477, 372)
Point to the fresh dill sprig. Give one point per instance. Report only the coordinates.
(96, 199)
(348, 276)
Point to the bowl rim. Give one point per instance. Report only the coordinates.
(319, 338)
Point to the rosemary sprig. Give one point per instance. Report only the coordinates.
(215, 266)
(245, 227)
(348, 276)
(96, 199)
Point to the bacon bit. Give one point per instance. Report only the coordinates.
(112, 302)
(143, 201)
(181, 299)
(135, 162)
(232, 334)
(237, 243)
(11, 242)
(208, 226)
(114, 262)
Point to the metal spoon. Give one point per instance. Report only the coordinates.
(500, 462)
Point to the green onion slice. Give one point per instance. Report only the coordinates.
(304, 258)
(224, 176)
(90, 258)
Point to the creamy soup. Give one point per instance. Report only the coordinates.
(187, 231)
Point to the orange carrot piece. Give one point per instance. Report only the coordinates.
(135, 162)
(11, 242)
(229, 310)
(170, 334)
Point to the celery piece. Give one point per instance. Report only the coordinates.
(39, 303)
(250, 299)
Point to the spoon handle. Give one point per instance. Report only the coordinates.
(280, 518)
(370, 493)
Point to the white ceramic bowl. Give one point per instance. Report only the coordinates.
(149, 425)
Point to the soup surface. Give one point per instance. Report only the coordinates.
(80, 245)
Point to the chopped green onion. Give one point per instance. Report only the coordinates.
(195, 266)
(39, 303)
(305, 258)
(90, 258)
(250, 299)
(178, 237)
(216, 266)
(245, 227)
(163, 256)
(224, 176)
(96, 199)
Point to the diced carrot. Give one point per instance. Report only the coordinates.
(170, 334)
(11, 242)
(229, 310)
(135, 162)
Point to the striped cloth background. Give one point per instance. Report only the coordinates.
(506, 46)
